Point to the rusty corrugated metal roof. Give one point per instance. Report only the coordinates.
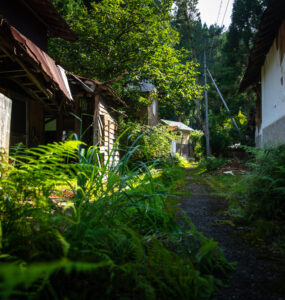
(268, 29)
(47, 13)
(101, 88)
(44, 61)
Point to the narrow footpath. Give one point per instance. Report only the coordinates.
(255, 276)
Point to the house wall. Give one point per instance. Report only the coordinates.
(5, 122)
(272, 128)
(108, 132)
(25, 21)
(152, 113)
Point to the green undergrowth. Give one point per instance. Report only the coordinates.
(115, 238)
(256, 198)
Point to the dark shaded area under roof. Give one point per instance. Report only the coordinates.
(268, 29)
(49, 16)
(22, 60)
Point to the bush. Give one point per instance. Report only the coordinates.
(211, 163)
(151, 142)
(114, 238)
(196, 140)
(265, 188)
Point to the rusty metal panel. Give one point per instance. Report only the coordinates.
(46, 63)
(5, 122)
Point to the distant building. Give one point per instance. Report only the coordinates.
(266, 74)
(147, 114)
(182, 146)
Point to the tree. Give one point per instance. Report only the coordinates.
(116, 37)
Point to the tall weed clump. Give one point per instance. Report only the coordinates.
(71, 228)
(265, 188)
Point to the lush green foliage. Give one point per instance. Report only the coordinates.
(134, 36)
(198, 144)
(256, 198)
(227, 54)
(211, 163)
(70, 229)
(265, 192)
(152, 142)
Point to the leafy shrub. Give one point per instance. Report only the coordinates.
(196, 140)
(151, 142)
(265, 188)
(181, 161)
(211, 163)
(114, 238)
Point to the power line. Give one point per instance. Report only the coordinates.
(225, 12)
(221, 4)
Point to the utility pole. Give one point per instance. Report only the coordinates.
(206, 106)
(225, 104)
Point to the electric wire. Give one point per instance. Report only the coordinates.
(225, 13)
(220, 9)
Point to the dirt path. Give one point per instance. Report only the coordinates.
(255, 277)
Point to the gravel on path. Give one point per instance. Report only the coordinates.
(255, 276)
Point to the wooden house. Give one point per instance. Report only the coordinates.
(266, 74)
(182, 145)
(98, 106)
(39, 101)
(33, 89)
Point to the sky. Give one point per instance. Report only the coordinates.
(209, 10)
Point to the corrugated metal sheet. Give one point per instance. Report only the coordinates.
(100, 88)
(268, 29)
(56, 25)
(45, 62)
(178, 125)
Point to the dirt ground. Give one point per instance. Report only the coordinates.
(257, 276)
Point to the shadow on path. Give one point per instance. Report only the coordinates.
(255, 277)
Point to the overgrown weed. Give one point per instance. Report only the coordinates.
(115, 238)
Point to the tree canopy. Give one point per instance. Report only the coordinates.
(116, 37)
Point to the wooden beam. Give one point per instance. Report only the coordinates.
(34, 95)
(11, 71)
(30, 75)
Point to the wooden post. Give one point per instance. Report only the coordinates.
(59, 126)
(225, 104)
(207, 109)
(95, 119)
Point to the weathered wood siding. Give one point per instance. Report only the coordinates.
(5, 122)
(108, 133)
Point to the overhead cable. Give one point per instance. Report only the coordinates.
(225, 13)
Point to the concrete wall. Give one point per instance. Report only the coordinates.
(5, 122)
(273, 93)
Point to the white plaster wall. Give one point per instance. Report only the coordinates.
(273, 91)
(5, 122)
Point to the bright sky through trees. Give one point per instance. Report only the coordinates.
(209, 10)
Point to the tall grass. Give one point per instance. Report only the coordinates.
(113, 239)
(265, 188)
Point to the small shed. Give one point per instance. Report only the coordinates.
(183, 146)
